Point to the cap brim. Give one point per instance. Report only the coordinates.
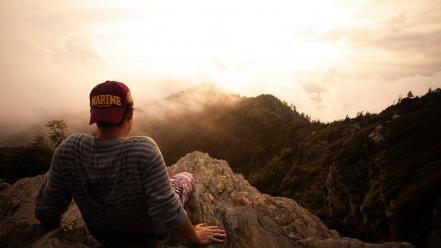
(110, 115)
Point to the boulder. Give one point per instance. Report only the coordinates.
(223, 198)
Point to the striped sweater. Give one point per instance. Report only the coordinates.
(121, 187)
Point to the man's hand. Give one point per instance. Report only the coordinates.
(209, 234)
(201, 234)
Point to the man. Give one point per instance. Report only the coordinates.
(119, 183)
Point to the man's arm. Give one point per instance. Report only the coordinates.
(53, 197)
(165, 207)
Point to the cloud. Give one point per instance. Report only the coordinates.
(79, 49)
(394, 40)
(315, 91)
(348, 57)
(222, 66)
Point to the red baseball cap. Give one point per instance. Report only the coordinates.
(109, 101)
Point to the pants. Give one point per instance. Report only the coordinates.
(183, 185)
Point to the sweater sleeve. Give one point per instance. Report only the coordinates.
(53, 197)
(164, 207)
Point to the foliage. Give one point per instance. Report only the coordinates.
(19, 162)
(360, 187)
(41, 141)
(246, 134)
(57, 131)
(26, 161)
(373, 189)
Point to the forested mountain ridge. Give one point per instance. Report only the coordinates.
(245, 131)
(376, 176)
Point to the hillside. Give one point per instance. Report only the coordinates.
(247, 132)
(375, 177)
(251, 219)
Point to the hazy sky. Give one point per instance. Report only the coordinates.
(329, 58)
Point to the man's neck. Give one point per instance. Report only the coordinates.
(109, 134)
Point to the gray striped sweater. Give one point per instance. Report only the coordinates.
(121, 187)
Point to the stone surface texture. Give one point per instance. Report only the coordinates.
(223, 198)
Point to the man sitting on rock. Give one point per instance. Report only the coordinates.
(119, 183)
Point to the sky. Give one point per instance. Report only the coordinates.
(330, 58)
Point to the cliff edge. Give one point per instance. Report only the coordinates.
(223, 198)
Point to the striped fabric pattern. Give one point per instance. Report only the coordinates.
(121, 187)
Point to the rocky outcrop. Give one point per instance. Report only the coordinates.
(377, 135)
(223, 198)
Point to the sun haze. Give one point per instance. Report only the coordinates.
(329, 58)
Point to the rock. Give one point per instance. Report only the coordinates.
(377, 135)
(4, 185)
(223, 198)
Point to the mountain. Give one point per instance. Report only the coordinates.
(223, 198)
(375, 177)
(247, 132)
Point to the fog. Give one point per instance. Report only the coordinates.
(329, 58)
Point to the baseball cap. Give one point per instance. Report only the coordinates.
(109, 101)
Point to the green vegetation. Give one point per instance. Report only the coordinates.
(57, 131)
(376, 177)
(19, 162)
(26, 161)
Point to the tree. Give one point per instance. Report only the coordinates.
(293, 107)
(58, 131)
(23, 161)
(40, 141)
(410, 94)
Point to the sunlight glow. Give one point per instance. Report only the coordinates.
(228, 41)
(328, 57)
